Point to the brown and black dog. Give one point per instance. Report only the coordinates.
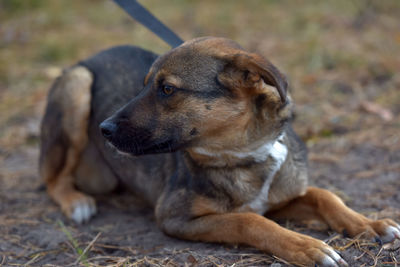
(210, 145)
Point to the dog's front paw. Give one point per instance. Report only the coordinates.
(386, 230)
(382, 231)
(308, 251)
(79, 207)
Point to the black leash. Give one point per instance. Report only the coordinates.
(142, 15)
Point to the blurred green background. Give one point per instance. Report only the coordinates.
(342, 57)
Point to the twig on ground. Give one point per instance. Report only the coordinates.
(87, 249)
(32, 260)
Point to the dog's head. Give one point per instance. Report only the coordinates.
(207, 93)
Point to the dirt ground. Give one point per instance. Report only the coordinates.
(342, 59)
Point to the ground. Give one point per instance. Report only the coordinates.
(342, 60)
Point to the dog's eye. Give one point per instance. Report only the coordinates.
(168, 89)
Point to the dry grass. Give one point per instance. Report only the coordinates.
(364, 248)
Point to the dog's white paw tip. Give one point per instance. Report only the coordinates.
(82, 212)
(329, 262)
(391, 234)
(334, 259)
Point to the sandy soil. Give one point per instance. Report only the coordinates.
(34, 232)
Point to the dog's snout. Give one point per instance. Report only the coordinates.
(108, 129)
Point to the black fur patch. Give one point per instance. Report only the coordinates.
(260, 100)
(193, 131)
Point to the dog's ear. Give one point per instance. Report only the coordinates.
(251, 73)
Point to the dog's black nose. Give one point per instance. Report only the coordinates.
(108, 129)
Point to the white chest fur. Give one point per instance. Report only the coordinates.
(277, 154)
(258, 151)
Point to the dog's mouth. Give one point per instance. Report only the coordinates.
(137, 149)
(161, 147)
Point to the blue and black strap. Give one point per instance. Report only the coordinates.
(142, 15)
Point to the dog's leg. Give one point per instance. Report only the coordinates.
(92, 174)
(325, 206)
(257, 231)
(64, 136)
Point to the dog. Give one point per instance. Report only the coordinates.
(206, 128)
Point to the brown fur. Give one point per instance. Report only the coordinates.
(322, 205)
(225, 104)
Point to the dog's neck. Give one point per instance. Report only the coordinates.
(256, 152)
